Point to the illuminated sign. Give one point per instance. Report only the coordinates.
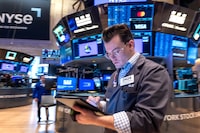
(10, 55)
(22, 21)
(177, 17)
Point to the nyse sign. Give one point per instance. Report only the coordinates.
(25, 21)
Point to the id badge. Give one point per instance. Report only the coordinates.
(127, 80)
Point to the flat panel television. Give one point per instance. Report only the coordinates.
(192, 52)
(7, 67)
(66, 84)
(11, 55)
(86, 84)
(165, 43)
(61, 32)
(172, 19)
(65, 54)
(23, 69)
(85, 22)
(143, 42)
(139, 17)
(106, 77)
(98, 2)
(43, 69)
(88, 46)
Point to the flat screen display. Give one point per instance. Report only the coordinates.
(98, 2)
(23, 69)
(165, 43)
(43, 69)
(106, 77)
(85, 22)
(7, 67)
(192, 52)
(88, 46)
(66, 84)
(86, 84)
(61, 32)
(65, 54)
(137, 16)
(138, 45)
(10, 55)
(172, 19)
(143, 42)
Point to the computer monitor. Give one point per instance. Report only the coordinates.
(7, 67)
(85, 22)
(87, 46)
(66, 84)
(138, 17)
(61, 32)
(86, 84)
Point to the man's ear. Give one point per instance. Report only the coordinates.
(131, 43)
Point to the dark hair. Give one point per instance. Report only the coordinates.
(120, 29)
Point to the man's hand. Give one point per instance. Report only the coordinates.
(86, 116)
(93, 101)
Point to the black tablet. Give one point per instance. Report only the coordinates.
(71, 101)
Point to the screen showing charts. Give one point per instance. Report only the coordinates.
(66, 84)
(136, 16)
(165, 43)
(88, 46)
(86, 84)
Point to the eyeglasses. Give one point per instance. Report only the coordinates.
(114, 53)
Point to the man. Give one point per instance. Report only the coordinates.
(38, 91)
(137, 93)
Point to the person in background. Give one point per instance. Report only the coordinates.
(137, 93)
(38, 91)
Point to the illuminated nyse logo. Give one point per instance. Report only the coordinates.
(177, 17)
(67, 82)
(84, 20)
(19, 18)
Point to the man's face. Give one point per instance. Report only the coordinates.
(42, 79)
(118, 52)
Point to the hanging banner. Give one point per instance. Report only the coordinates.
(25, 19)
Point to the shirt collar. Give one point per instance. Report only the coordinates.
(132, 60)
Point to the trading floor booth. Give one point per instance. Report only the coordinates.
(15, 89)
